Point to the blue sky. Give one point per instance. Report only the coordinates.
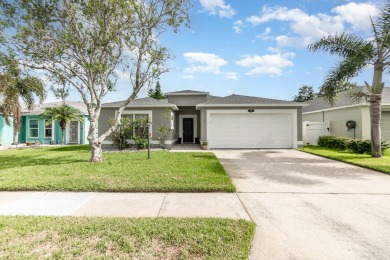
(258, 48)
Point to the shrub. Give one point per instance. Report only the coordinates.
(343, 143)
(334, 142)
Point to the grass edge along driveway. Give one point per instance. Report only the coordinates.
(363, 160)
(114, 238)
(67, 169)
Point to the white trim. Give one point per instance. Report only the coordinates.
(67, 141)
(251, 105)
(335, 108)
(28, 130)
(174, 107)
(44, 128)
(260, 111)
(187, 94)
(195, 126)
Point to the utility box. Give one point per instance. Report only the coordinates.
(312, 130)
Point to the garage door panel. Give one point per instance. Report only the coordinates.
(250, 130)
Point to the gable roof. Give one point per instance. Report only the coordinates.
(343, 100)
(142, 102)
(240, 100)
(40, 108)
(186, 92)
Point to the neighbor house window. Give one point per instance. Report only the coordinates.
(48, 128)
(33, 129)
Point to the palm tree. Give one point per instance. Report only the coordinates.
(63, 114)
(14, 89)
(357, 54)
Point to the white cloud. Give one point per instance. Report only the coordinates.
(357, 14)
(203, 62)
(218, 7)
(237, 26)
(231, 75)
(271, 64)
(306, 28)
(265, 35)
(188, 77)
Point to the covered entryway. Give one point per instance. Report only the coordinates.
(252, 129)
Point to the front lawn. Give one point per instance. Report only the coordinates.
(364, 160)
(124, 238)
(67, 169)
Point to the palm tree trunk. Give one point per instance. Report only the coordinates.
(16, 135)
(375, 116)
(62, 137)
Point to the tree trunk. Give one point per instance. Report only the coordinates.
(62, 136)
(375, 116)
(97, 153)
(94, 141)
(16, 135)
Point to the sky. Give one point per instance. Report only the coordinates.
(258, 48)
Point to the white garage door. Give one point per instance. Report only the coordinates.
(250, 130)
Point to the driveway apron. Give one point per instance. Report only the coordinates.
(309, 207)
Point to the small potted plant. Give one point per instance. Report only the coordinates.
(203, 143)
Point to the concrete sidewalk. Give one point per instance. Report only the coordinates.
(221, 205)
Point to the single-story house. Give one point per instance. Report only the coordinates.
(234, 121)
(34, 128)
(346, 109)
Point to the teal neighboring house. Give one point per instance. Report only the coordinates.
(6, 131)
(34, 128)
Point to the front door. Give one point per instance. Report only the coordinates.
(188, 130)
(74, 132)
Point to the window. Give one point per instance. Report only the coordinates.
(138, 120)
(33, 128)
(48, 128)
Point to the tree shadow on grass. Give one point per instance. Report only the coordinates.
(12, 161)
(71, 148)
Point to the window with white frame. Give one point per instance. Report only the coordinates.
(172, 118)
(33, 126)
(48, 128)
(138, 119)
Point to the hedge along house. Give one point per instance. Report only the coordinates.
(347, 109)
(225, 122)
(34, 128)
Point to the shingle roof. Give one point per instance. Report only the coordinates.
(187, 92)
(40, 108)
(247, 100)
(343, 100)
(146, 101)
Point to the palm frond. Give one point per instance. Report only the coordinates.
(344, 45)
(346, 69)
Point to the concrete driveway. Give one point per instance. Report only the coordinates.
(308, 207)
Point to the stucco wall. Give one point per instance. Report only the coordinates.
(186, 110)
(385, 124)
(157, 120)
(338, 119)
(204, 118)
(6, 131)
(187, 100)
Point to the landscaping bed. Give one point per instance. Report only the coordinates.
(124, 238)
(364, 160)
(67, 169)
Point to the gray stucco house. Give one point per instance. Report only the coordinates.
(234, 121)
(346, 109)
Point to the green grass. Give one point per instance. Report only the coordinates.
(364, 160)
(67, 169)
(124, 238)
